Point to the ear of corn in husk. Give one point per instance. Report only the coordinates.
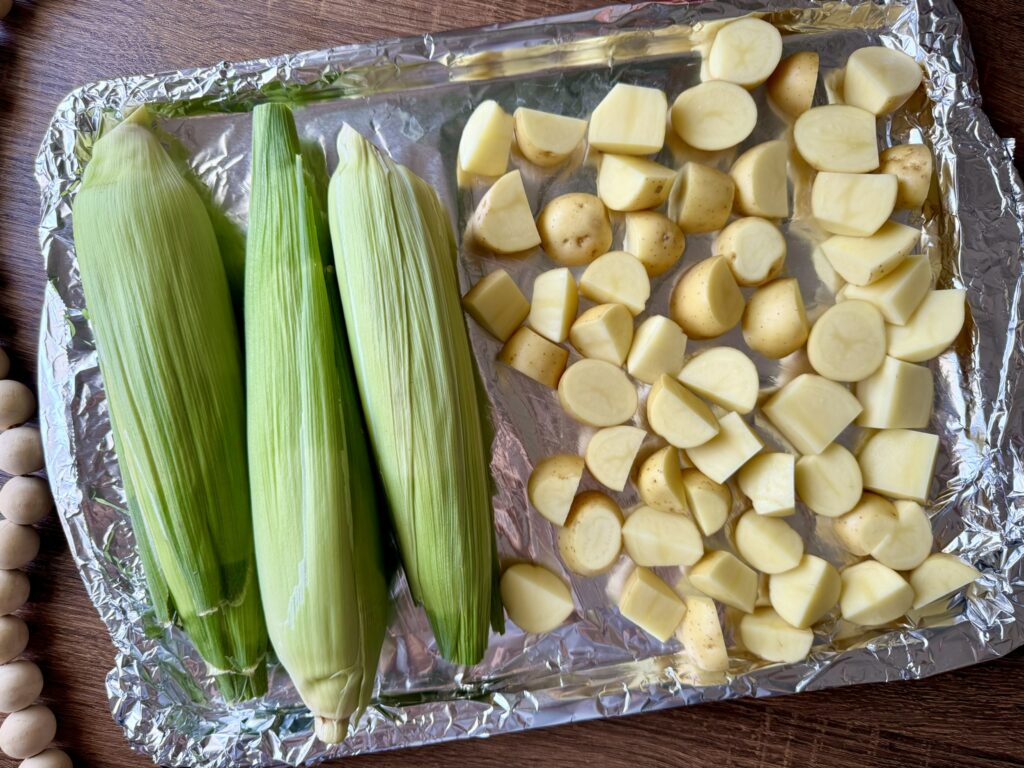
(313, 496)
(159, 304)
(394, 253)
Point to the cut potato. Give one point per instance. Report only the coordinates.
(553, 484)
(604, 332)
(597, 393)
(775, 321)
(701, 198)
(659, 347)
(611, 452)
(829, 483)
(745, 52)
(847, 343)
(546, 139)
(898, 294)
(655, 240)
(761, 180)
(574, 229)
(650, 603)
(909, 543)
(486, 140)
(864, 260)
(678, 415)
(874, 594)
(767, 480)
(617, 278)
(701, 635)
(497, 304)
(900, 463)
(855, 204)
(591, 540)
(714, 115)
(932, 328)
(879, 79)
(866, 525)
(791, 86)
(766, 635)
(535, 599)
(535, 356)
(627, 183)
(725, 376)
(939, 575)
(654, 538)
(721, 456)
(803, 595)
(660, 482)
(503, 221)
(754, 248)
(897, 396)
(826, 273)
(811, 411)
(837, 138)
(724, 577)
(630, 120)
(770, 545)
(555, 300)
(706, 301)
(912, 165)
(709, 502)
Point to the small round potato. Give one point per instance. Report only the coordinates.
(912, 165)
(792, 84)
(574, 229)
(655, 240)
(775, 323)
(706, 301)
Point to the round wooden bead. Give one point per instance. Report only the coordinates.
(5, 361)
(21, 451)
(13, 637)
(19, 545)
(17, 403)
(25, 500)
(28, 732)
(14, 589)
(48, 758)
(21, 682)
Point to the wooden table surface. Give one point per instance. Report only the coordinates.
(966, 719)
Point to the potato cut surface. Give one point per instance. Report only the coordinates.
(734, 445)
(535, 599)
(723, 375)
(811, 412)
(597, 393)
(630, 120)
(552, 486)
(497, 304)
(900, 463)
(654, 538)
(533, 355)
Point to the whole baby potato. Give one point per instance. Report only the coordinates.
(574, 229)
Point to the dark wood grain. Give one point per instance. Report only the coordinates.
(966, 719)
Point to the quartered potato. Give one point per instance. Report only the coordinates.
(709, 502)
(655, 240)
(811, 411)
(874, 594)
(768, 481)
(654, 538)
(898, 395)
(855, 204)
(659, 347)
(651, 604)
(701, 635)
(706, 302)
(554, 304)
(497, 304)
(761, 180)
(552, 486)
(535, 599)
(714, 115)
(591, 540)
(900, 463)
(630, 120)
(754, 248)
(939, 575)
(791, 86)
(838, 138)
(604, 332)
(724, 577)
(863, 260)
(803, 595)
(745, 52)
(932, 328)
(678, 415)
(879, 79)
(829, 482)
(908, 544)
(775, 321)
(701, 198)
(912, 165)
(574, 229)
(486, 141)
(503, 221)
(546, 139)
(847, 343)
(768, 636)
(770, 545)
(617, 278)
(898, 294)
(723, 375)
(627, 183)
(611, 452)
(660, 482)
(721, 456)
(865, 526)
(535, 356)
(597, 393)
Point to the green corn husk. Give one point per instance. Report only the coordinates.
(318, 545)
(159, 303)
(394, 252)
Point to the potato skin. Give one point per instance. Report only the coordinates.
(706, 301)
(792, 84)
(912, 165)
(575, 229)
(655, 240)
(774, 322)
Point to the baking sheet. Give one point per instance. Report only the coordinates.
(412, 97)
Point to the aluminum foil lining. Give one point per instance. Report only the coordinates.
(412, 97)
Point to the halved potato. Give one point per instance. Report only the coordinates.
(847, 343)
(553, 484)
(866, 525)
(837, 137)
(678, 415)
(829, 483)
(938, 576)
(803, 595)
(701, 635)
(486, 140)
(546, 139)
(900, 463)
(723, 375)
(654, 538)
(721, 456)
(709, 502)
(714, 115)
(650, 603)
(768, 636)
(791, 86)
(754, 248)
(745, 52)
(873, 594)
(617, 278)
(659, 347)
(767, 480)
(898, 294)
(660, 481)
(761, 180)
(655, 240)
(864, 260)
(597, 393)
(908, 544)
(770, 545)
(701, 198)
(497, 304)
(535, 599)
(775, 321)
(574, 229)
(724, 577)
(811, 411)
(554, 304)
(898, 395)
(880, 79)
(855, 204)
(706, 302)
(932, 328)
(533, 355)
(627, 183)
(912, 165)
(591, 540)
(503, 221)
(604, 332)
(630, 120)
(611, 452)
